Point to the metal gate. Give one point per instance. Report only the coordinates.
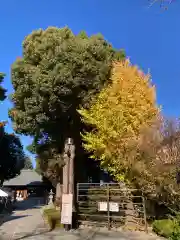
(109, 205)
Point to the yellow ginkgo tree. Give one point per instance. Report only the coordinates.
(117, 116)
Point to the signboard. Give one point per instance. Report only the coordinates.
(113, 207)
(66, 212)
(103, 207)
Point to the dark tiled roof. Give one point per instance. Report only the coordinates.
(27, 177)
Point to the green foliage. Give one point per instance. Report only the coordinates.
(52, 217)
(57, 72)
(2, 90)
(168, 228)
(37, 168)
(165, 227)
(11, 150)
(28, 163)
(175, 235)
(12, 156)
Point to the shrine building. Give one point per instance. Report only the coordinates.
(28, 184)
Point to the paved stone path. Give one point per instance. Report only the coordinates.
(25, 220)
(27, 223)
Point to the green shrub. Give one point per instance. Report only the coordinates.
(52, 216)
(175, 235)
(165, 227)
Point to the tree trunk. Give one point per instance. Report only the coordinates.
(58, 195)
(65, 172)
(71, 174)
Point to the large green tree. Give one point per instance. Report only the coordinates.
(12, 156)
(58, 72)
(11, 150)
(2, 90)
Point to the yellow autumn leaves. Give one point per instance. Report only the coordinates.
(118, 115)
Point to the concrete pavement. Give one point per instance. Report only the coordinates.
(26, 222)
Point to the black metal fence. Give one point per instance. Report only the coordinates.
(110, 205)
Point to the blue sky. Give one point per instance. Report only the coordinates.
(150, 37)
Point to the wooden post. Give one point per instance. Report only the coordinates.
(71, 170)
(58, 195)
(68, 171)
(65, 178)
(65, 175)
(71, 176)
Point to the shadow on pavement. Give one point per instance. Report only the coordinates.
(11, 217)
(32, 235)
(29, 203)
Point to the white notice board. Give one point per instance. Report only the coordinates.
(113, 207)
(66, 212)
(103, 207)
